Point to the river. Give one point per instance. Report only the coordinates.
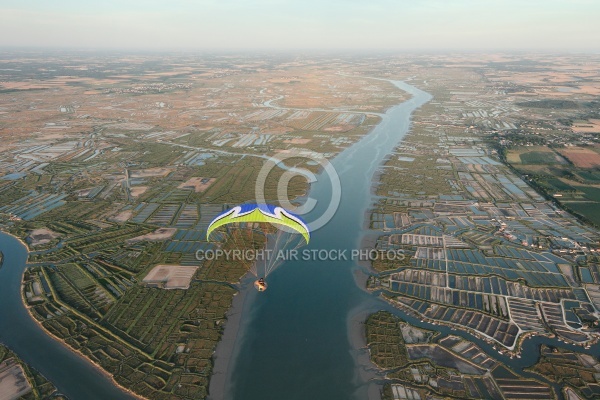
(298, 340)
(294, 342)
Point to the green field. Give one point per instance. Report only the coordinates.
(559, 186)
(590, 176)
(534, 155)
(538, 157)
(589, 210)
(590, 193)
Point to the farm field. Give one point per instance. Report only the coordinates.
(534, 155)
(583, 157)
(570, 178)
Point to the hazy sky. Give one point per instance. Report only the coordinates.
(303, 24)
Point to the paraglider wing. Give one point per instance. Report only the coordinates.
(269, 228)
(260, 213)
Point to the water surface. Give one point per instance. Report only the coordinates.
(294, 343)
(72, 374)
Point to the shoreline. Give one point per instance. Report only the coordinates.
(227, 346)
(366, 371)
(80, 354)
(60, 341)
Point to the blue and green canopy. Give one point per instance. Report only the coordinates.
(260, 213)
